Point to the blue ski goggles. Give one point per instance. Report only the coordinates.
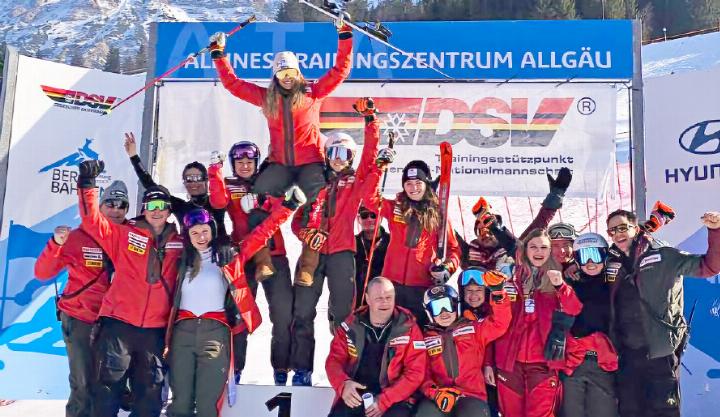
(594, 255)
(436, 307)
(472, 276)
(339, 152)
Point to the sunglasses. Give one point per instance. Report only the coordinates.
(287, 73)
(587, 255)
(196, 217)
(153, 205)
(189, 179)
(436, 307)
(621, 228)
(562, 232)
(472, 276)
(339, 152)
(368, 214)
(116, 203)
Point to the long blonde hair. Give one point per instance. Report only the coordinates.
(275, 92)
(426, 210)
(524, 267)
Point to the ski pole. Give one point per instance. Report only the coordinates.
(190, 58)
(378, 220)
(364, 31)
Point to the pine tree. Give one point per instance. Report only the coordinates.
(112, 63)
(705, 13)
(555, 9)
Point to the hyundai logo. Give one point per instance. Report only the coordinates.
(702, 138)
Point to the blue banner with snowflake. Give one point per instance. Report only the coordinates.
(500, 50)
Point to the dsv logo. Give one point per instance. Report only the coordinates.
(702, 138)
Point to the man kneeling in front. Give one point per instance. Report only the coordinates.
(377, 358)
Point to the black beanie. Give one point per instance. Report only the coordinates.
(157, 192)
(416, 170)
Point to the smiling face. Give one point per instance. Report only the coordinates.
(562, 250)
(113, 213)
(445, 318)
(622, 232)
(538, 250)
(380, 298)
(415, 189)
(244, 167)
(338, 165)
(474, 295)
(592, 269)
(156, 218)
(287, 78)
(200, 236)
(194, 181)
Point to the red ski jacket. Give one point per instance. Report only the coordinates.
(599, 343)
(226, 194)
(456, 353)
(239, 293)
(408, 265)
(87, 277)
(145, 266)
(514, 344)
(337, 204)
(403, 364)
(294, 135)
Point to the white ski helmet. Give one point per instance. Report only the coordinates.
(340, 140)
(284, 60)
(589, 240)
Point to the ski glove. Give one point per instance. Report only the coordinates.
(446, 398)
(249, 202)
(555, 344)
(313, 238)
(482, 213)
(217, 158)
(89, 170)
(495, 280)
(558, 187)
(366, 107)
(661, 215)
(294, 198)
(440, 274)
(217, 45)
(385, 157)
(224, 252)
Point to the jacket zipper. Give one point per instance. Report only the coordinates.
(289, 132)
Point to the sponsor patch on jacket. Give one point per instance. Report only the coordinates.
(92, 253)
(91, 263)
(397, 215)
(435, 351)
(652, 259)
(418, 344)
(237, 196)
(174, 245)
(434, 341)
(463, 330)
(511, 291)
(612, 270)
(137, 243)
(400, 340)
(352, 351)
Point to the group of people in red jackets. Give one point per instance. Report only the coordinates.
(534, 327)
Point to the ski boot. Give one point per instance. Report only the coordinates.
(280, 376)
(302, 378)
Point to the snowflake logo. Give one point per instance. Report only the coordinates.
(396, 122)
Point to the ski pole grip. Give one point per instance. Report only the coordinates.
(241, 25)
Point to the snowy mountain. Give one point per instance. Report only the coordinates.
(83, 32)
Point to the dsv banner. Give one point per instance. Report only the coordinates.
(505, 138)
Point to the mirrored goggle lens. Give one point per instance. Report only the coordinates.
(561, 233)
(339, 152)
(193, 178)
(241, 153)
(156, 205)
(115, 203)
(437, 306)
(287, 72)
(472, 276)
(196, 217)
(585, 255)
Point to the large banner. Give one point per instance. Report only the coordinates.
(505, 138)
(682, 154)
(502, 50)
(57, 123)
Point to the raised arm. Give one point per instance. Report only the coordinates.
(253, 94)
(93, 222)
(701, 266)
(51, 260)
(341, 70)
(217, 191)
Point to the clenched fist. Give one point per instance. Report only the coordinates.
(60, 234)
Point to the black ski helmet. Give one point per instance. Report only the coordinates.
(244, 149)
(439, 292)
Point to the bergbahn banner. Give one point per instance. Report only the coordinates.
(505, 137)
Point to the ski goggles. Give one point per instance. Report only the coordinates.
(621, 228)
(562, 231)
(153, 205)
(339, 152)
(594, 255)
(193, 178)
(242, 152)
(472, 276)
(287, 73)
(436, 307)
(196, 217)
(116, 203)
(368, 215)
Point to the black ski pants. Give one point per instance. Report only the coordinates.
(589, 391)
(340, 409)
(279, 294)
(125, 351)
(465, 407)
(648, 387)
(339, 268)
(81, 359)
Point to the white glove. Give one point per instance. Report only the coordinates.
(219, 38)
(248, 202)
(295, 196)
(217, 157)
